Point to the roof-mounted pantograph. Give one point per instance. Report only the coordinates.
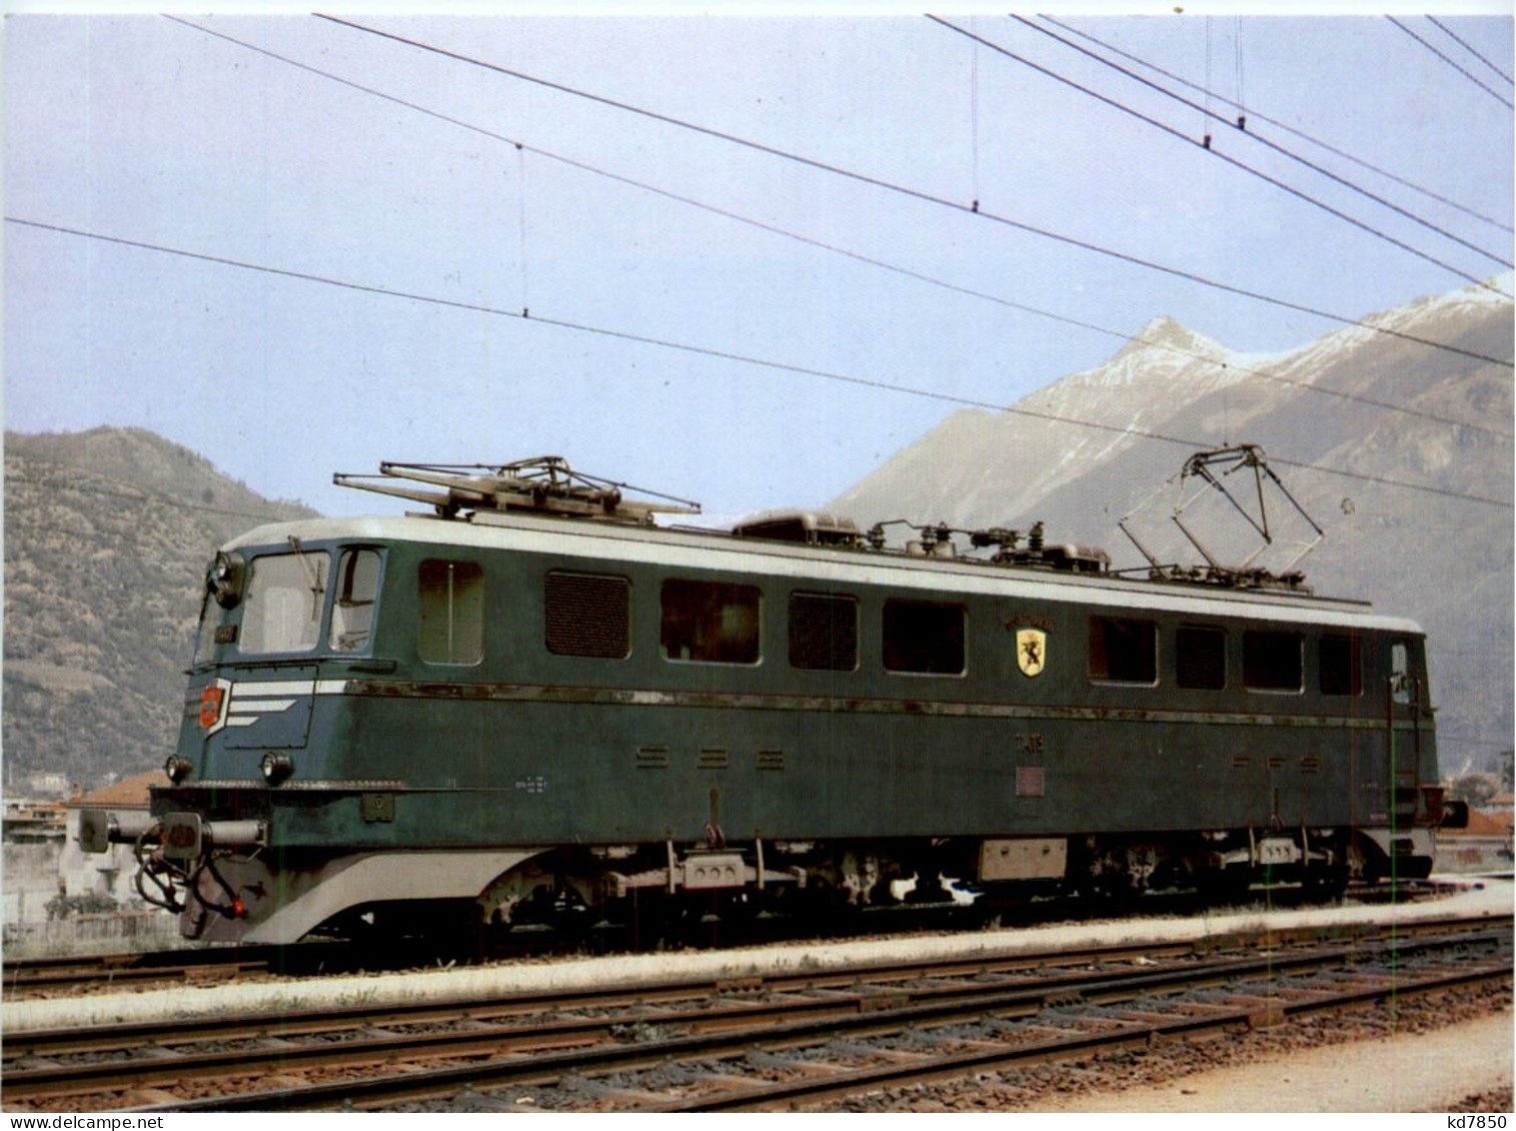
(543, 484)
(1212, 469)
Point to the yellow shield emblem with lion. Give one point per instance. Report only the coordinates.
(1031, 650)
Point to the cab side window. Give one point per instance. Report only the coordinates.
(353, 610)
(1400, 672)
(451, 596)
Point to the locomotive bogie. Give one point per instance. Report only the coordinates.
(532, 711)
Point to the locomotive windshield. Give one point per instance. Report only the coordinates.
(283, 606)
(282, 609)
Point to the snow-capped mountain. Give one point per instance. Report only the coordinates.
(1098, 445)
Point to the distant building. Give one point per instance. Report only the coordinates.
(49, 785)
(1488, 844)
(32, 822)
(43, 861)
(59, 899)
(31, 833)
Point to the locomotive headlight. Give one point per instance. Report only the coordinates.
(177, 768)
(276, 767)
(225, 579)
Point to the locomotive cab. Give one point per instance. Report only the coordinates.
(271, 769)
(275, 621)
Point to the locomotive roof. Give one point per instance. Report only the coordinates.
(597, 542)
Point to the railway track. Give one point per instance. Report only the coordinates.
(734, 1045)
(60, 977)
(94, 973)
(30, 977)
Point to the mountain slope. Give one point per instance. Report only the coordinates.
(1446, 562)
(107, 536)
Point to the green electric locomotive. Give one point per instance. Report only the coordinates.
(533, 698)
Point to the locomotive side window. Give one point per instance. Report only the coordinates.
(710, 622)
(353, 611)
(1123, 651)
(1200, 657)
(1400, 672)
(1271, 661)
(1341, 665)
(452, 612)
(924, 637)
(823, 632)
(588, 615)
(282, 609)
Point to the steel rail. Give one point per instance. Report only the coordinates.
(287, 1023)
(859, 1019)
(794, 1093)
(158, 965)
(24, 1083)
(283, 1022)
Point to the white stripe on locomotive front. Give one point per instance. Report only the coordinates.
(252, 688)
(256, 706)
(601, 548)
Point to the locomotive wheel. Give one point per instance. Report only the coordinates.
(1365, 865)
(1326, 885)
(1227, 886)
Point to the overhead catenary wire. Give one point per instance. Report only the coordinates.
(1172, 131)
(1192, 443)
(1253, 113)
(1491, 91)
(522, 147)
(917, 194)
(1458, 39)
(1271, 145)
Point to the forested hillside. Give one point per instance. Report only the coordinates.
(107, 537)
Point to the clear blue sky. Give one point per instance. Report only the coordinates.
(141, 128)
